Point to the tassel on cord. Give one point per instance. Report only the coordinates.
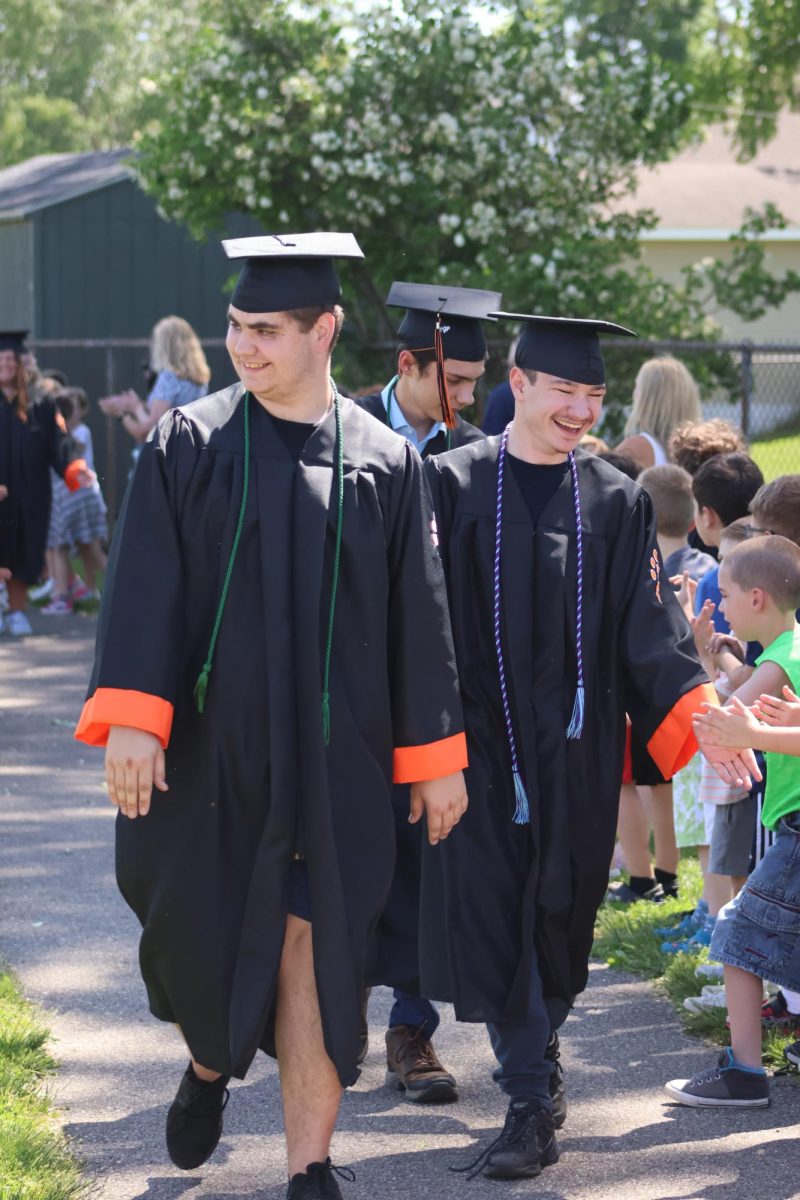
(326, 718)
(448, 415)
(522, 814)
(201, 687)
(575, 727)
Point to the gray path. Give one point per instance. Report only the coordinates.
(73, 943)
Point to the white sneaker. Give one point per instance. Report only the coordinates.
(710, 970)
(18, 624)
(42, 592)
(699, 1004)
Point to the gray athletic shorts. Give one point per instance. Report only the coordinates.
(732, 837)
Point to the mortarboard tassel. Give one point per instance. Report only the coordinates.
(201, 687)
(448, 415)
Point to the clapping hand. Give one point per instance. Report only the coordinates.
(772, 710)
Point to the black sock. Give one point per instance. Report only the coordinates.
(668, 881)
(642, 884)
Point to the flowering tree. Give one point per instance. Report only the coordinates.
(486, 155)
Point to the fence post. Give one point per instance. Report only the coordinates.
(110, 488)
(747, 386)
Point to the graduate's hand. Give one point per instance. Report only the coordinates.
(773, 710)
(3, 491)
(443, 801)
(734, 767)
(135, 764)
(735, 725)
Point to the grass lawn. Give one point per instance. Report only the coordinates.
(35, 1160)
(624, 938)
(779, 456)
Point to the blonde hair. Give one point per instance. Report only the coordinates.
(771, 563)
(174, 346)
(664, 395)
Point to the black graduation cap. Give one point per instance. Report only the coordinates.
(563, 346)
(14, 340)
(448, 320)
(289, 270)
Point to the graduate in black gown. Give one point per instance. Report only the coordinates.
(33, 438)
(563, 622)
(274, 650)
(440, 358)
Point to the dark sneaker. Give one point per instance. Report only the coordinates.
(317, 1182)
(623, 893)
(557, 1090)
(792, 1054)
(526, 1145)
(194, 1120)
(412, 1067)
(363, 1048)
(722, 1086)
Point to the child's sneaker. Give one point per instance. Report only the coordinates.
(18, 624)
(712, 996)
(792, 1054)
(42, 591)
(623, 893)
(775, 1015)
(59, 606)
(725, 1085)
(709, 970)
(697, 941)
(80, 592)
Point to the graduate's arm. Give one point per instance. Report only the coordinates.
(430, 745)
(665, 684)
(136, 670)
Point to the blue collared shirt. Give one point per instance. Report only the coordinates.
(400, 425)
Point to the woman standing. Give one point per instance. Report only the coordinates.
(664, 396)
(33, 438)
(181, 375)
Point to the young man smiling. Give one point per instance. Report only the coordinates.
(562, 622)
(275, 720)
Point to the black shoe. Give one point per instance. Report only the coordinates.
(526, 1145)
(623, 893)
(792, 1054)
(558, 1093)
(318, 1183)
(194, 1120)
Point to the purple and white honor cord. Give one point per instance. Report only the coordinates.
(575, 728)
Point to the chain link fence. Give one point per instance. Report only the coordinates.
(754, 386)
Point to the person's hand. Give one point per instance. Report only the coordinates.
(443, 801)
(3, 492)
(726, 641)
(703, 630)
(773, 710)
(735, 725)
(734, 767)
(86, 478)
(120, 403)
(685, 592)
(5, 574)
(135, 764)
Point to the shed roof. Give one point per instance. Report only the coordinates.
(702, 193)
(51, 179)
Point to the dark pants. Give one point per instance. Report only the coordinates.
(524, 1072)
(414, 1011)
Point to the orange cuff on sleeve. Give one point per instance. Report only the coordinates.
(674, 743)
(73, 471)
(413, 764)
(121, 706)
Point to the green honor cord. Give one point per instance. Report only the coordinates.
(201, 687)
(202, 683)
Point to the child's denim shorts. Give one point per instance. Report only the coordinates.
(759, 930)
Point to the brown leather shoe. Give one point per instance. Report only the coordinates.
(412, 1067)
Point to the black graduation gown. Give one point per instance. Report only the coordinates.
(462, 435)
(28, 449)
(251, 780)
(394, 952)
(498, 889)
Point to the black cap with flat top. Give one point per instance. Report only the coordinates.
(563, 346)
(13, 340)
(289, 270)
